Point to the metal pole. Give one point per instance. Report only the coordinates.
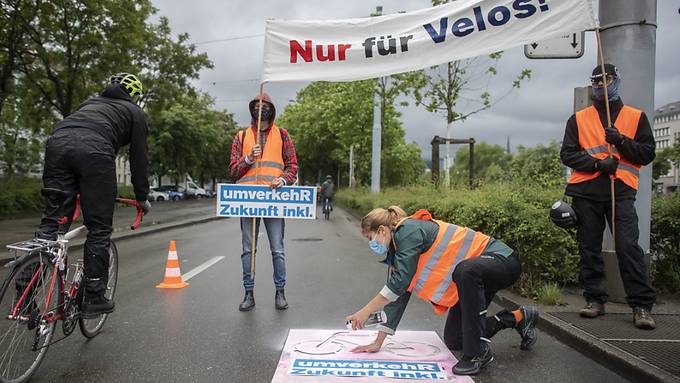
(435, 160)
(351, 166)
(472, 163)
(447, 156)
(629, 41)
(377, 132)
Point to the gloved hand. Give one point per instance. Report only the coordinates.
(608, 165)
(146, 206)
(612, 135)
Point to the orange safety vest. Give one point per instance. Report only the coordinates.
(433, 280)
(270, 164)
(591, 139)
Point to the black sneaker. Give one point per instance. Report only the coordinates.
(527, 326)
(472, 365)
(96, 306)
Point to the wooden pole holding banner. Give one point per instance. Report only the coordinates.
(609, 123)
(253, 242)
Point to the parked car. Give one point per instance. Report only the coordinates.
(194, 191)
(175, 193)
(210, 193)
(156, 195)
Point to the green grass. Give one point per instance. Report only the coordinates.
(549, 294)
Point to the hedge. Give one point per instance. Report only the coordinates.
(518, 215)
(665, 242)
(19, 195)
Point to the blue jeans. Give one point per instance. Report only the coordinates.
(275, 228)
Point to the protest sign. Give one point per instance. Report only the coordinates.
(261, 201)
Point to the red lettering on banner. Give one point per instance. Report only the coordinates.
(307, 52)
(329, 57)
(296, 48)
(341, 51)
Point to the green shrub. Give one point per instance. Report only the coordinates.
(665, 242)
(513, 213)
(19, 194)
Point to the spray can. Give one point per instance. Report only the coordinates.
(374, 319)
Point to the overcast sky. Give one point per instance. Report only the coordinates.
(534, 114)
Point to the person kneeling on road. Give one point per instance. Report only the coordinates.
(455, 269)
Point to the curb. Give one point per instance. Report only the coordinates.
(128, 234)
(623, 363)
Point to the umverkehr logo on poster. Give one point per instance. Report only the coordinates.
(262, 201)
(368, 368)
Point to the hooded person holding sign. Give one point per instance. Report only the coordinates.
(598, 154)
(265, 160)
(454, 268)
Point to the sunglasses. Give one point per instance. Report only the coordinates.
(597, 81)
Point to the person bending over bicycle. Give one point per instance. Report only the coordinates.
(80, 158)
(328, 191)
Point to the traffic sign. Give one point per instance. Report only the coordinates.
(569, 46)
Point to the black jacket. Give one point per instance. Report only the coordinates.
(639, 151)
(116, 117)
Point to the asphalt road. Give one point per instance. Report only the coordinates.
(197, 334)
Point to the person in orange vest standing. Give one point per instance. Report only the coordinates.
(276, 167)
(454, 268)
(586, 149)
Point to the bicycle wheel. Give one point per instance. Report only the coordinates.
(29, 301)
(91, 327)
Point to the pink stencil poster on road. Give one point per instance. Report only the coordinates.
(323, 356)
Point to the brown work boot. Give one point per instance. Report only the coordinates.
(592, 310)
(642, 318)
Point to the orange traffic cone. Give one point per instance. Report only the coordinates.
(173, 277)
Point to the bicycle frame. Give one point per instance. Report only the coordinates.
(59, 250)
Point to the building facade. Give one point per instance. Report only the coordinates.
(666, 134)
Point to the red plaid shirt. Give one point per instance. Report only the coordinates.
(238, 165)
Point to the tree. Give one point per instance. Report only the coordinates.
(665, 159)
(440, 89)
(56, 54)
(327, 118)
(540, 165)
(12, 42)
(190, 137)
(491, 163)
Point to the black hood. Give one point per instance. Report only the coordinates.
(116, 91)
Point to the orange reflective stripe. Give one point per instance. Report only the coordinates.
(433, 280)
(270, 165)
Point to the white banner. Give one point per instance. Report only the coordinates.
(357, 49)
(235, 200)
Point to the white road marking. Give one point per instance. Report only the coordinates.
(202, 267)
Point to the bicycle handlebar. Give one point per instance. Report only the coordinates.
(138, 217)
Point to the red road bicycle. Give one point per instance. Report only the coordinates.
(37, 293)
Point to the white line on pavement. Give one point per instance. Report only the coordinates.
(201, 268)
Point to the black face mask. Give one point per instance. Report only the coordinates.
(267, 114)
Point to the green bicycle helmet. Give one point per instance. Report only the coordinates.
(129, 82)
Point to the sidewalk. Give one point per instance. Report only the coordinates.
(612, 340)
(163, 215)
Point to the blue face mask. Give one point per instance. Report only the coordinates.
(378, 248)
(612, 90)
